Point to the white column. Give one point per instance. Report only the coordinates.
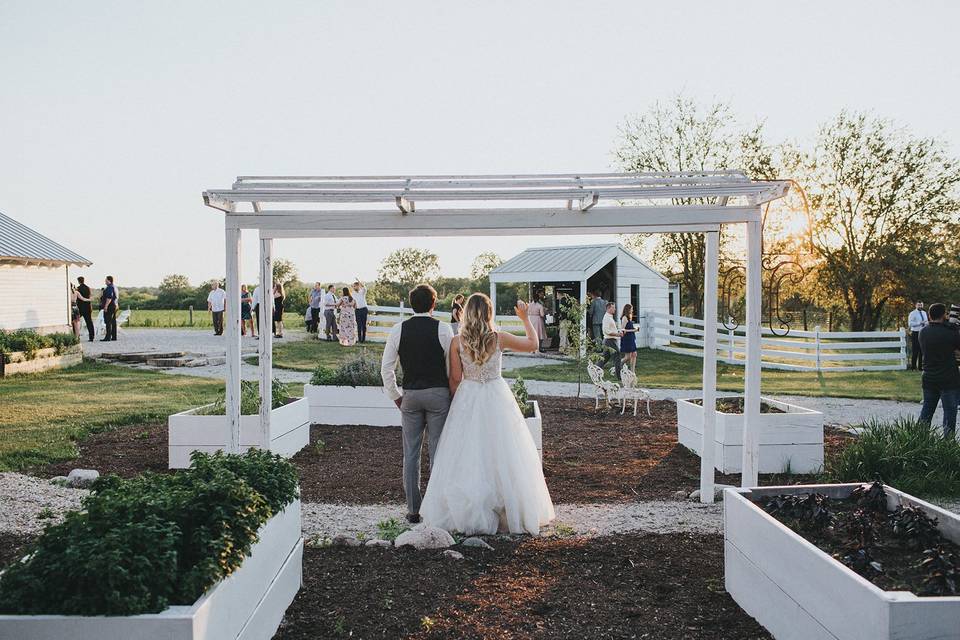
(751, 401)
(708, 446)
(493, 297)
(265, 346)
(584, 329)
(232, 320)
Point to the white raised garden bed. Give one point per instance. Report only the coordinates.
(351, 405)
(535, 425)
(42, 360)
(188, 432)
(247, 605)
(798, 592)
(790, 440)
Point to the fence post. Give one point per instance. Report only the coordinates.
(190, 308)
(903, 348)
(401, 311)
(816, 345)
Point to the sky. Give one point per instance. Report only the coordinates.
(115, 116)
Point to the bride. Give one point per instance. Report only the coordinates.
(487, 476)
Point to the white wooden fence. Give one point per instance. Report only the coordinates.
(798, 351)
(381, 319)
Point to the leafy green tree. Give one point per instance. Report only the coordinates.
(284, 271)
(409, 266)
(483, 264)
(173, 290)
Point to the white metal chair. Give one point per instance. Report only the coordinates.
(630, 391)
(600, 386)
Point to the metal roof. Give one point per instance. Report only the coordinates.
(22, 244)
(582, 259)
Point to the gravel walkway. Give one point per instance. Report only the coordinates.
(30, 503)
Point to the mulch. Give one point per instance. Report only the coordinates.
(12, 546)
(590, 456)
(623, 586)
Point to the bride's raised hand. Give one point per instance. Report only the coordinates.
(521, 310)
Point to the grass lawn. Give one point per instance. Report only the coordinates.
(665, 370)
(43, 414)
(305, 355)
(180, 319)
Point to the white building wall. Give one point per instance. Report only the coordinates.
(654, 289)
(34, 298)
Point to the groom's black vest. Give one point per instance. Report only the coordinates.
(421, 354)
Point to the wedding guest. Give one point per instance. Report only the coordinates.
(330, 314)
(537, 315)
(108, 304)
(917, 320)
(278, 299)
(360, 298)
(316, 308)
(257, 299)
(85, 306)
(74, 312)
(246, 311)
(565, 315)
(941, 377)
(611, 338)
(628, 343)
(348, 318)
(216, 305)
(456, 313)
(598, 316)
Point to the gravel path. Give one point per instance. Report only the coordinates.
(30, 503)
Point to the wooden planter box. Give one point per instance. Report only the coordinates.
(793, 438)
(368, 406)
(799, 592)
(188, 432)
(43, 360)
(535, 425)
(249, 604)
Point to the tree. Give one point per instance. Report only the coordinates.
(409, 266)
(683, 136)
(173, 289)
(483, 264)
(284, 271)
(881, 200)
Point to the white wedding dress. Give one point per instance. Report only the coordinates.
(487, 476)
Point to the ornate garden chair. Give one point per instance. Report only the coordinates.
(601, 386)
(630, 391)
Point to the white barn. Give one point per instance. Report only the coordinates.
(34, 279)
(612, 269)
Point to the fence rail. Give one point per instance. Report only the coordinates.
(382, 318)
(798, 351)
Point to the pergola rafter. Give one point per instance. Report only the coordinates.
(516, 204)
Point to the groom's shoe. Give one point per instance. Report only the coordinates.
(413, 518)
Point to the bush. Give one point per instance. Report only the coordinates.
(520, 394)
(143, 544)
(905, 454)
(359, 371)
(29, 342)
(250, 399)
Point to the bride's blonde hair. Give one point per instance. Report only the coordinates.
(477, 332)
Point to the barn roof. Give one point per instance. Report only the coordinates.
(20, 243)
(562, 263)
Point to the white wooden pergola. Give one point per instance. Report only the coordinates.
(498, 205)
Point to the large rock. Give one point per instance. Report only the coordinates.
(424, 537)
(479, 543)
(82, 478)
(345, 541)
(452, 555)
(377, 542)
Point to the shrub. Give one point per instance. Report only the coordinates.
(906, 454)
(359, 371)
(143, 544)
(250, 399)
(520, 394)
(29, 342)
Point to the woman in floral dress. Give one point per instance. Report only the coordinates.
(348, 318)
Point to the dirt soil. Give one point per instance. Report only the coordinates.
(589, 457)
(624, 586)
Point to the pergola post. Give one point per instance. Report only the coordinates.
(750, 468)
(232, 320)
(708, 446)
(493, 297)
(265, 347)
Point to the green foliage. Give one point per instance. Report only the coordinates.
(359, 371)
(519, 388)
(409, 266)
(29, 342)
(250, 398)
(391, 528)
(284, 271)
(483, 264)
(143, 544)
(909, 455)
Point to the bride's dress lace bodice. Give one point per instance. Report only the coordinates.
(489, 370)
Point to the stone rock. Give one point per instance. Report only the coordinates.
(377, 542)
(345, 541)
(425, 537)
(717, 492)
(479, 543)
(60, 481)
(680, 495)
(82, 478)
(453, 555)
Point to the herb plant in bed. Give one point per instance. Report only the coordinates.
(206, 428)
(211, 552)
(351, 394)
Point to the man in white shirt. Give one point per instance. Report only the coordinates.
(329, 314)
(917, 320)
(422, 345)
(257, 299)
(217, 303)
(611, 338)
(360, 298)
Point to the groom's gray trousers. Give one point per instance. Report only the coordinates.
(422, 410)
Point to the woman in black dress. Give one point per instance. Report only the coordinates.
(278, 298)
(456, 313)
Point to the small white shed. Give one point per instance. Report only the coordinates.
(34, 279)
(612, 269)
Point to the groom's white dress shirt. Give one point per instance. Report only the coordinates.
(917, 320)
(388, 367)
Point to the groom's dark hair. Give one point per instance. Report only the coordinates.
(422, 298)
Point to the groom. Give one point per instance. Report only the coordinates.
(421, 343)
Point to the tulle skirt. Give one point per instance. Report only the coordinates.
(487, 476)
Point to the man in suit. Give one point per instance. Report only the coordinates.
(421, 344)
(85, 305)
(108, 304)
(598, 309)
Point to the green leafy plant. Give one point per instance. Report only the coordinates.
(140, 545)
(391, 528)
(29, 342)
(250, 398)
(360, 371)
(520, 394)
